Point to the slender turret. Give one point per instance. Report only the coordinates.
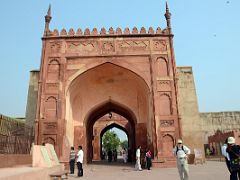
(47, 21)
(168, 19)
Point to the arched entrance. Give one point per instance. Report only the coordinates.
(109, 106)
(103, 89)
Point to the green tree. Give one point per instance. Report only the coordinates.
(124, 144)
(110, 140)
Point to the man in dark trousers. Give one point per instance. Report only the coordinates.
(80, 161)
(72, 160)
(234, 153)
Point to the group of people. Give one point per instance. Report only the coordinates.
(231, 151)
(76, 157)
(112, 155)
(180, 151)
(147, 158)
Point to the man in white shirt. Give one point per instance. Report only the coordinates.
(138, 160)
(225, 154)
(80, 161)
(181, 152)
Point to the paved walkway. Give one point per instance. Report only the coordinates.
(211, 170)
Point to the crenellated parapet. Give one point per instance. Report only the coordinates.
(110, 32)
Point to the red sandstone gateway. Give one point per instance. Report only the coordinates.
(86, 75)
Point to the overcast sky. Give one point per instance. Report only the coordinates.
(206, 38)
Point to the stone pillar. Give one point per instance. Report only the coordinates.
(192, 133)
(31, 107)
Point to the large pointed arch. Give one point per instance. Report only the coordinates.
(85, 69)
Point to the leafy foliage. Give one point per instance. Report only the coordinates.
(124, 144)
(110, 140)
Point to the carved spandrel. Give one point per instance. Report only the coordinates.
(133, 45)
(160, 45)
(167, 123)
(55, 47)
(84, 46)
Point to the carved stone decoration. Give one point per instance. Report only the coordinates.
(63, 32)
(143, 30)
(52, 87)
(167, 144)
(158, 30)
(111, 30)
(162, 67)
(166, 123)
(165, 31)
(50, 127)
(103, 31)
(150, 30)
(135, 30)
(79, 32)
(51, 139)
(94, 31)
(107, 47)
(55, 32)
(163, 86)
(164, 103)
(82, 46)
(160, 45)
(53, 70)
(55, 47)
(71, 32)
(133, 45)
(50, 107)
(118, 31)
(87, 32)
(126, 31)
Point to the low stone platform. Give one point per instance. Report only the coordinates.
(27, 173)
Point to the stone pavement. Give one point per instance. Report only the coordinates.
(211, 170)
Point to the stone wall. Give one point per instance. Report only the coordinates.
(192, 133)
(11, 160)
(219, 121)
(32, 98)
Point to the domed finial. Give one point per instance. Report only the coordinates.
(47, 21)
(168, 18)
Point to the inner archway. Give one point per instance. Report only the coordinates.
(114, 129)
(94, 136)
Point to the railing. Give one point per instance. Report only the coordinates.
(15, 136)
(15, 144)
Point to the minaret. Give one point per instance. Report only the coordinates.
(47, 21)
(168, 19)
